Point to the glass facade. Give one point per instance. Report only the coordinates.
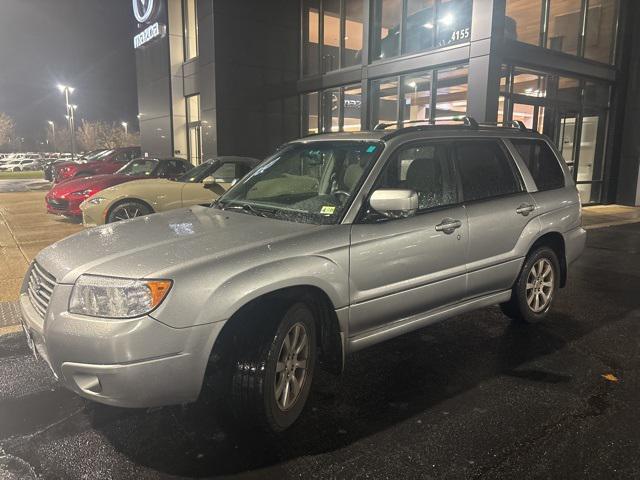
(332, 110)
(411, 26)
(586, 28)
(571, 111)
(341, 31)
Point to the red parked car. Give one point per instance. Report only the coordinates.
(107, 161)
(65, 197)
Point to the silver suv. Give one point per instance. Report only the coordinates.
(333, 244)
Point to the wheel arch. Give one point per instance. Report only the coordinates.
(330, 336)
(555, 241)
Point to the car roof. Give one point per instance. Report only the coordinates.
(467, 127)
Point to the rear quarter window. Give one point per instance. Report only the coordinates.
(541, 162)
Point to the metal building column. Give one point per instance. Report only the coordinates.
(487, 33)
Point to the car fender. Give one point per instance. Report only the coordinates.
(212, 300)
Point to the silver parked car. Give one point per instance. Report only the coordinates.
(333, 244)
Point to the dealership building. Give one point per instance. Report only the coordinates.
(240, 77)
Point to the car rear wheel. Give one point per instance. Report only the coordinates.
(273, 369)
(535, 289)
(16, 169)
(127, 210)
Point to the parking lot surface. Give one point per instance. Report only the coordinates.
(472, 397)
(25, 229)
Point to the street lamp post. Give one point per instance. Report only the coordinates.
(126, 128)
(53, 133)
(68, 91)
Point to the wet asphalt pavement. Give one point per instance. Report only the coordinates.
(472, 397)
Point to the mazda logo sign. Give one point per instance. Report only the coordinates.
(143, 9)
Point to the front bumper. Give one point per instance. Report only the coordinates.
(63, 206)
(93, 215)
(137, 362)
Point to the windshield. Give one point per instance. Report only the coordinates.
(140, 166)
(196, 174)
(308, 183)
(98, 155)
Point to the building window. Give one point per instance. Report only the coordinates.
(194, 129)
(565, 20)
(311, 37)
(523, 20)
(417, 97)
(330, 104)
(352, 109)
(331, 35)
(451, 96)
(341, 31)
(353, 33)
(423, 25)
(384, 101)
(310, 117)
(340, 110)
(427, 95)
(190, 19)
(560, 25)
(602, 17)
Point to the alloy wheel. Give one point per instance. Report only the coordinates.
(540, 285)
(291, 367)
(124, 213)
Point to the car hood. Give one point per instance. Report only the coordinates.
(94, 182)
(143, 246)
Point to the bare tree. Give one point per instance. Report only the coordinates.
(93, 135)
(7, 129)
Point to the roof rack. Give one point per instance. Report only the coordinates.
(467, 122)
(510, 124)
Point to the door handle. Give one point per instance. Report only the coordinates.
(525, 209)
(448, 225)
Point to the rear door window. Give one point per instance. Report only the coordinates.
(485, 170)
(541, 162)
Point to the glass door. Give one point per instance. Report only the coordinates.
(566, 137)
(588, 173)
(195, 144)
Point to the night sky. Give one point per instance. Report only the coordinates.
(87, 44)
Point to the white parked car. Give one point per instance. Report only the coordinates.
(20, 165)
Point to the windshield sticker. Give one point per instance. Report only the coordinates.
(371, 149)
(327, 210)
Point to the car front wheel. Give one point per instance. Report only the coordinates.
(273, 370)
(535, 289)
(127, 210)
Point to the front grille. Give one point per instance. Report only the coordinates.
(40, 289)
(58, 204)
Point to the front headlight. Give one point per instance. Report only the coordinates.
(112, 297)
(96, 201)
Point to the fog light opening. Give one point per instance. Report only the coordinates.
(87, 382)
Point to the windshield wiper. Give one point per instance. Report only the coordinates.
(245, 207)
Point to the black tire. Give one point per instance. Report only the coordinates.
(524, 307)
(16, 169)
(128, 209)
(254, 374)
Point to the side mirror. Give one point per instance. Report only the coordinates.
(394, 203)
(209, 181)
